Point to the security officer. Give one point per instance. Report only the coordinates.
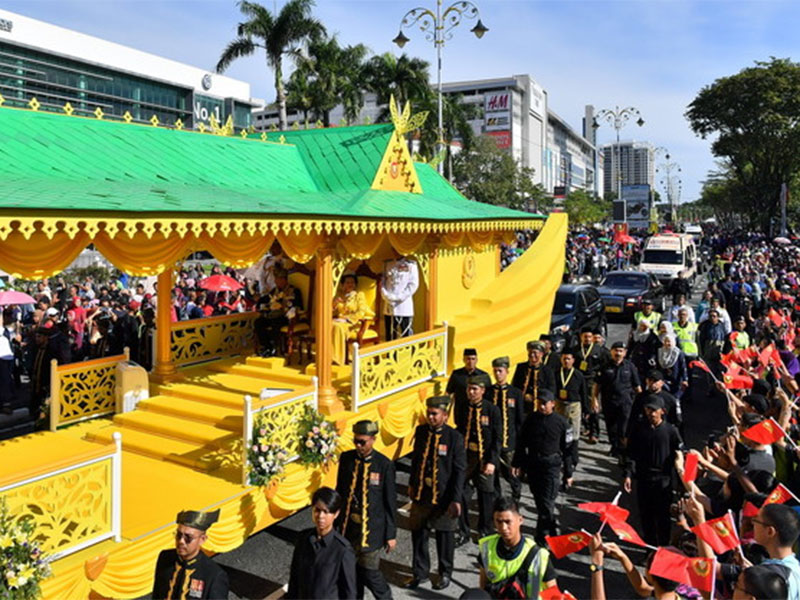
(654, 386)
(509, 400)
(617, 384)
(543, 450)
(480, 423)
(647, 313)
(366, 481)
(590, 355)
(532, 376)
(739, 338)
(551, 358)
(457, 384)
(571, 394)
(512, 565)
(438, 464)
(186, 572)
(686, 334)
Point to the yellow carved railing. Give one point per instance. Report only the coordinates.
(279, 418)
(199, 340)
(83, 390)
(74, 506)
(394, 366)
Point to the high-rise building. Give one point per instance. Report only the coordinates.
(631, 161)
(58, 66)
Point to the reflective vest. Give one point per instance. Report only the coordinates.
(500, 571)
(740, 340)
(652, 321)
(686, 336)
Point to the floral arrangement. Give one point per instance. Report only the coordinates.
(318, 438)
(266, 459)
(23, 566)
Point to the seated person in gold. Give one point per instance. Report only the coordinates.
(349, 308)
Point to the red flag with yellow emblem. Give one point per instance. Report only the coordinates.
(553, 593)
(766, 432)
(606, 510)
(779, 495)
(696, 572)
(626, 532)
(561, 545)
(719, 533)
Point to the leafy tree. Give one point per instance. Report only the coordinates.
(487, 174)
(279, 35)
(753, 117)
(584, 208)
(404, 77)
(456, 116)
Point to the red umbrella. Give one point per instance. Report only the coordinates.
(220, 283)
(15, 297)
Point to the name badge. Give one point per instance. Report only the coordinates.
(442, 449)
(374, 478)
(355, 518)
(196, 588)
(584, 365)
(485, 421)
(562, 394)
(472, 447)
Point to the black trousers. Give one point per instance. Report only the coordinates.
(6, 382)
(369, 576)
(445, 549)
(654, 497)
(485, 485)
(268, 331)
(504, 472)
(397, 327)
(616, 416)
(544, 477)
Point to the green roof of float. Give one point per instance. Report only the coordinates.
(55, 162)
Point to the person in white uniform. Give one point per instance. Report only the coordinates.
(399, 284)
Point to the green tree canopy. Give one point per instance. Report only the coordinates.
(584, 208)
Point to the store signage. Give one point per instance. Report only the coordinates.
(201, 113)
(497, 102)
(6, 25)
(206, 81)
(497, 112)
(502, 139)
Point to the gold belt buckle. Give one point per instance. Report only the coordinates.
(473, 447)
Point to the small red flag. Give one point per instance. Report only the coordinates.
(775, 317)
(776, 358)
(690, 467)
(766, 432)
(606, 510)
(697, 572)
(779, 495)
(749, 510)
(553, 593)
(719, 533)
(700, 365)
(626, 532)
(765, 355)
(561, 545)
(737, 381)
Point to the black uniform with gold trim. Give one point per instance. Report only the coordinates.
(510, 403)
(199, 577)
(531, 379)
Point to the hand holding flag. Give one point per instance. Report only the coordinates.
(562, 545)
(697, 572)
(767, 432)
(719, 533)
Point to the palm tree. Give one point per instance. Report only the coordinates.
(406, 78)
(279, 35)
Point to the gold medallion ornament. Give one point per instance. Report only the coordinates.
(468, 270)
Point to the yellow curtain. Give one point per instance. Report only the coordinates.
(301, 248)
(407, 243)
(237, 250)
(38, 256)
(361, 245)
(143, 256)
(454, 239)
(506, 237)
(478, 240)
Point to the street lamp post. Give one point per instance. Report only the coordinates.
(618, 118)
(669, 182)
(437, 28)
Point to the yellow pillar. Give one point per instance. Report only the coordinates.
(164, 369)
(431, 302)
(329, 402)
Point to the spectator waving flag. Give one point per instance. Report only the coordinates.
(719, 533)
(697, 572)
(608, 511)
(780, 495)
(766, 432)
(690, 467)
(735, 379)
(626, 533)
(561, 545)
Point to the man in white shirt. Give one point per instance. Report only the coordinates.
(398, 286)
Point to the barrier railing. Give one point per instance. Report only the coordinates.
(394, 366)
(72, 507)
(281, 414)
(83, 390)
(200, 340)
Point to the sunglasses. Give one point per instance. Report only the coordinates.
(185, 537)
(360, 441)
(760, 522)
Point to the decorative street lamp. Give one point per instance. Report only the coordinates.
(671, 184)
(437, 28)
(618, 118)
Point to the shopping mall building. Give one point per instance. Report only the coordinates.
(59, 66)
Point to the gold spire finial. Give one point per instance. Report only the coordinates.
(404, 122)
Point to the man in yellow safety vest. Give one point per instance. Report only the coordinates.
(647, 313)
(686, 333)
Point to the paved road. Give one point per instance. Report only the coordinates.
(260, 567)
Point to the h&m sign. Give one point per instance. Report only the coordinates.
(6, 25)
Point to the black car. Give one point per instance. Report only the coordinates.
(624, 291)
(575, 306)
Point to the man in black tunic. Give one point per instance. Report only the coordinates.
(366, 482)
(510, 402)
(438, 463)
(571, 395)
(457, 384)
(185, 572)
(532, 377)
(590, 356)
(618, 383)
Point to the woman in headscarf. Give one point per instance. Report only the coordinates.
(642, 347)
(672, 363)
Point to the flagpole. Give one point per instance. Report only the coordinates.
(736, 531)
(605, 519)
(786, 435)
(714, 574)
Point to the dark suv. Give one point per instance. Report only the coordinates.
(575, 307)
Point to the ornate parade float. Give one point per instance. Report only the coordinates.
(102, 487)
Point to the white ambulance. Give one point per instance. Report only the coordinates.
(670, 255)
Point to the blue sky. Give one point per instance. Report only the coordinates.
(652, 54)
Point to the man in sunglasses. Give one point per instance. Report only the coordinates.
(366, 483)
(777, 527)
(185, 572)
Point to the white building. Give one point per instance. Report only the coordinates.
(59, 66)
(633, 161)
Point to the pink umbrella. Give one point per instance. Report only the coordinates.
(220, 283)
(15, 297)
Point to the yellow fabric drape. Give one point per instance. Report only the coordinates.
(362, 245)
(506, 237)
(38, 256)
(301, 248)
(237, 251)
(407, 243)
(478, 240)
(143, 256)
(453, 239)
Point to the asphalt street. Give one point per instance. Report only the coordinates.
(260, 567)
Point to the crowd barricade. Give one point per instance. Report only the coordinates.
(393, 366)
(279, 416)
(200, 340)
(83, 390)
(73, 506)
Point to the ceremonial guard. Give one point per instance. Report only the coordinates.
(571, 394)
(543, 449)
(438, 464)
(618, 383)
(40, 371)
(532, 376)
(185, 572)
(551, 358)
(480, 424)
(398, 286)
(366, 482)
(590, 355)
(457, 384)
(509, 400)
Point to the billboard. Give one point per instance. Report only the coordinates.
(637, 201)
(502, 139)
(497, 112)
